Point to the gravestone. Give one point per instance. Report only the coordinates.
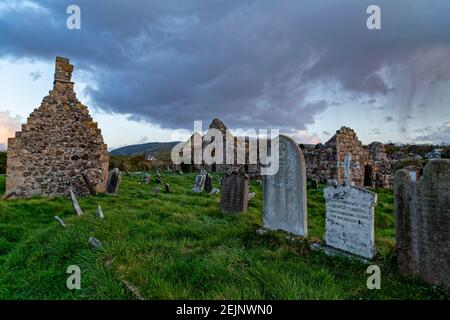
(61, 222)
(94, 243)
(114, 180)
(234, 192)
(208, 183)
(314, 184)
(199, 184)
(251, 195)
(146, 178)
(158, 178)
(75, 203)
(100, 212)
(214, 191)
(155, 190)
(167, 188)
(350, 217)
(88, 183)
(285, 192)
(422, 212)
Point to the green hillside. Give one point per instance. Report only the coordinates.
(147, 149)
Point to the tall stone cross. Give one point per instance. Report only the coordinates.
(347, 165)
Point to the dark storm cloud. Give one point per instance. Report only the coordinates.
(250, 63)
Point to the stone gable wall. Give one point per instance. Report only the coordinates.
(58, 143)
(324, 161)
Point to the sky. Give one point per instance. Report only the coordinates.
(305, 67)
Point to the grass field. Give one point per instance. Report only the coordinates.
(179, 246)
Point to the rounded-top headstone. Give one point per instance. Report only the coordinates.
(285, 191)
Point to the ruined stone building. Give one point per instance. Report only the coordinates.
(370, 166)
(58, 144)
(198, 143)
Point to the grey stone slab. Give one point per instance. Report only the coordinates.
(285, 192)
(422, 210)
(350, 220)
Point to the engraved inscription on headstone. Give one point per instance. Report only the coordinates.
(422, 212)
(234, 192)
(350, 217)
(285, 192)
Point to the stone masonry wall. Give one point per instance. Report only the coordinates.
(369, 164)
(58, 143)
(347, 143)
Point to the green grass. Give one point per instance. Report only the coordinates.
(2, 184)
(179, 246)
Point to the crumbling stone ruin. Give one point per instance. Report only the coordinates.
(58, 144)
(198, 143)
(370, 166)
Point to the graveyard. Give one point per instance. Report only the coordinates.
(179, 245)
(252, 155)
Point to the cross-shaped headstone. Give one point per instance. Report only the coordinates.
(347, 165)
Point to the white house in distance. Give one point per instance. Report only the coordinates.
(435, 154)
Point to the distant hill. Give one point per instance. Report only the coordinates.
(148, 149)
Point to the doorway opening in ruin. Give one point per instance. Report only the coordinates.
(368, 174)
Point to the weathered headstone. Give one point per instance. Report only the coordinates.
(199, 184)
(208, 183)
(75, 204)
(88, 183)
(251, 195)
(61, 222)
(146, 178)
(314, 184)
(234, 192)
(94, 243)
(158, 178)
(100, 212)
(285, 191)
(350, 217)
(214, 191)
(167, 187)
(422, 212)
(155, 190)
(114, 180)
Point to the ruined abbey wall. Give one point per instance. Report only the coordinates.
(369, 164)
(57, 145)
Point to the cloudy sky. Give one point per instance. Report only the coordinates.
(306, 67)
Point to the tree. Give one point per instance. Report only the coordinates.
(2, 162)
